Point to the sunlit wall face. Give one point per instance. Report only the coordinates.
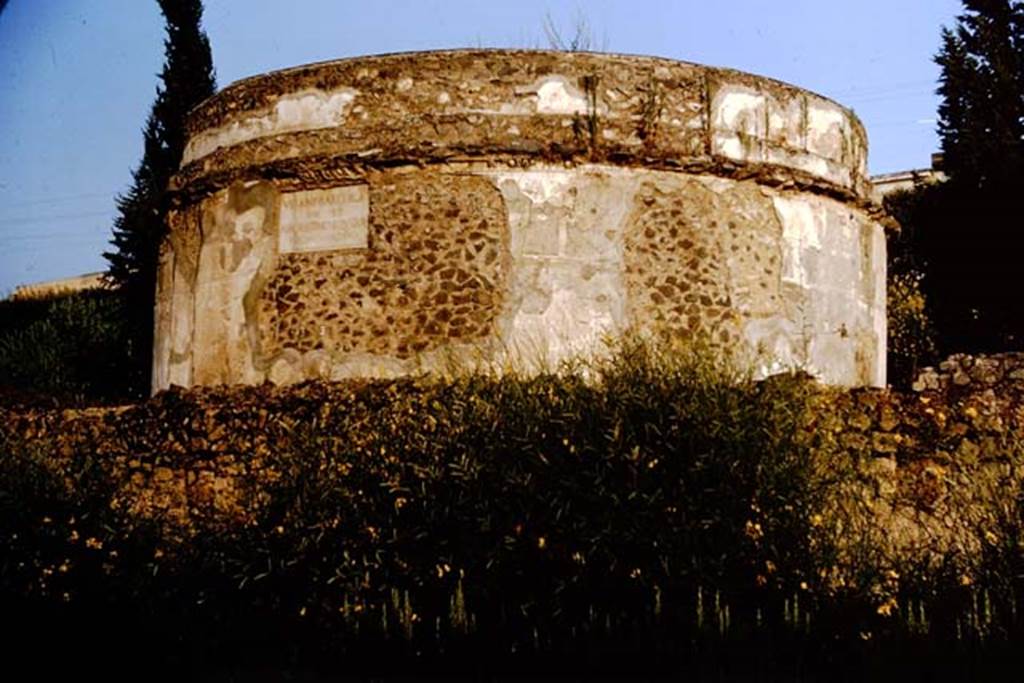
(78, 80)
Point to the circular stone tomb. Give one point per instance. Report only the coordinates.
(380, 216)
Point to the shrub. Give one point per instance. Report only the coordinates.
(70, 348)
(911, 336)
(658, 506)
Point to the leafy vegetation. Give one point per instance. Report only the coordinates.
(911, 341)
(68, 349)
(656, 512)
(963, 232)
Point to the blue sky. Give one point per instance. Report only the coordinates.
(77, 78)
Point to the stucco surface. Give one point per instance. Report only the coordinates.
(385, 215)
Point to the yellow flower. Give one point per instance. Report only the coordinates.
(886, 608)
(971, 412)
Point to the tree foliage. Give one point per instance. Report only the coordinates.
(65, 349)
(187, 79)
(981, 116)
(911, 342)
(963, 234)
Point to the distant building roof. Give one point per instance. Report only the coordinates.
(65, 285)
(887, 183)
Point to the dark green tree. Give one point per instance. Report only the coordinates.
(981, 116)
(187, 79)
(965, 235)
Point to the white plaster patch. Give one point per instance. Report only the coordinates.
(541, 187)
(739, 123)
(810, 164)
(730, 145)
(539, 203)
(557, 96)
(805, 132)
(736, 108)
(571, 325)
(801, 231)
(307, 110)
(549, 95)
(233, 250)
(774, 344)
(324, 220)
(828, 133)
(785, 122)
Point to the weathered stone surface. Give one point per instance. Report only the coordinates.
(1001, 372)
(384, 215)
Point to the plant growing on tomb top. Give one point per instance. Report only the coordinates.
(582, 37)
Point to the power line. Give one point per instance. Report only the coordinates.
(885, 87)
(882, 98)
(43, 249)
(58, 199)
(52, 236)
(26, 220)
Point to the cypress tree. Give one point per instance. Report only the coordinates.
(965, 233)
(187, 78)
(981, 116)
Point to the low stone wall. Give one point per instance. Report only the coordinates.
(964, 372)
(937, 477)
(918, 478)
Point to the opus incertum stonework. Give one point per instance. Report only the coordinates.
(379, 216)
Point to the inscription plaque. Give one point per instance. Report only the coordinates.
(325, 220)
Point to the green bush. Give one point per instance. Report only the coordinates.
(656, 511)
(545, 507)
(911, 336)
(71, 348)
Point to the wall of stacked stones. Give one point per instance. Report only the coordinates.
(999, 372)
(933, 473)
(382, 215)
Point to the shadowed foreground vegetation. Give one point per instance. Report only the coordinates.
(655, 514)
(66, 349)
